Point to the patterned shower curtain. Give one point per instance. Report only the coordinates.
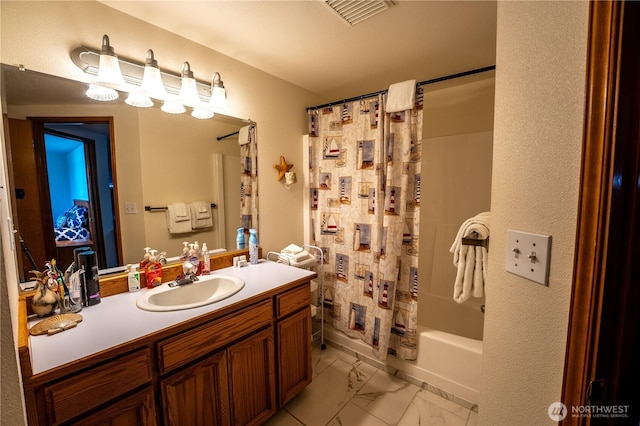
(249, 181)
(365, 210)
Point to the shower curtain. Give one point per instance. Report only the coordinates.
(365, 212)
(249, 181)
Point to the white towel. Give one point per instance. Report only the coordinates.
(178, 219)
(201, 215)
(401, 96)
(471, 261)
(243, 135)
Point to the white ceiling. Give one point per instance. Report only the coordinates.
(304, 42)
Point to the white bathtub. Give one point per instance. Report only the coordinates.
(446, 361)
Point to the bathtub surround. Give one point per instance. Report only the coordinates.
(364, 195)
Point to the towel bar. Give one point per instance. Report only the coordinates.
(161, 209)
(474, 242)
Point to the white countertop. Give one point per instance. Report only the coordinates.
(117, 320)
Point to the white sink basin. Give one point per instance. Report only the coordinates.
(208, 289)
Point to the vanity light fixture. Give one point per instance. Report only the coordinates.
(146, 83)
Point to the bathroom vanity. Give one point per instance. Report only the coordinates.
(233, 362)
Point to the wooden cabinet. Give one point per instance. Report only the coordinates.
(294, 355)
(252, 383)
(89, 389)
(198, 395)
(134, 410)
(230, 367)
(294, 342)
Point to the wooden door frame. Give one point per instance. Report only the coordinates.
(95, 215)
(41, 121)
(595, 292)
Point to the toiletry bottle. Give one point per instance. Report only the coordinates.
(253, 246)
(133, 278)
(145, 260)
(240, 239)
(153, 271)
(193, 258)
(206, 265)
(185, 251)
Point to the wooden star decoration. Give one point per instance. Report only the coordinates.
(282, 168)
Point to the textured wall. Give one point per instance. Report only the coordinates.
(540, 79)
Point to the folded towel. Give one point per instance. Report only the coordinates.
(292, 249)
(471, 261)
(401, 96)
(201, 209)
(200, 216)
(177, 224)
(298, 257)
(180, 211)
(243, 135)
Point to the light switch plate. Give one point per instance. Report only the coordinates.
(130, 207)
(529, 255)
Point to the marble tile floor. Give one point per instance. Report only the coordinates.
(346, 391)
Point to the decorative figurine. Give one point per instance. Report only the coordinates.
(45, 300)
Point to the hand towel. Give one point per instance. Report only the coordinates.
(401, 96)
(471, 261)
(243, 135)
(201, 215)
(178, 219)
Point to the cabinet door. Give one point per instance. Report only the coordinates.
(135, 410)
(198, 395)
(252, 379)
(294, 354)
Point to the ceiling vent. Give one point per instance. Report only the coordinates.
(355, 11)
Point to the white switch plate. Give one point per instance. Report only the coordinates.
(130, 207)
(528, 255)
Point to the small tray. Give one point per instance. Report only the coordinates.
(55, 324)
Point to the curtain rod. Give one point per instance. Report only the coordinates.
(421, 83)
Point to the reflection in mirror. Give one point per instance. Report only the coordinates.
(134, 157)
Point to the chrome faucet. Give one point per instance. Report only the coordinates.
(184, 279)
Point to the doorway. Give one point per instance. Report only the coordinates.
(71, 200)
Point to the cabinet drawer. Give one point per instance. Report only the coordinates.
(179, 350)
(293, 300)
(76, 395)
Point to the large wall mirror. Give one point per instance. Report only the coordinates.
(88, 173)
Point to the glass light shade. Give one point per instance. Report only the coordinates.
(189, 91)
(152, 85)
(138, 100)
(201, 113)
(188, 88)
(218, 97)
(101, 93)
(172, 107)
(109, 71)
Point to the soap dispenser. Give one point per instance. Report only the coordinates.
(153, 271)
(185, 251)
(145, 259)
